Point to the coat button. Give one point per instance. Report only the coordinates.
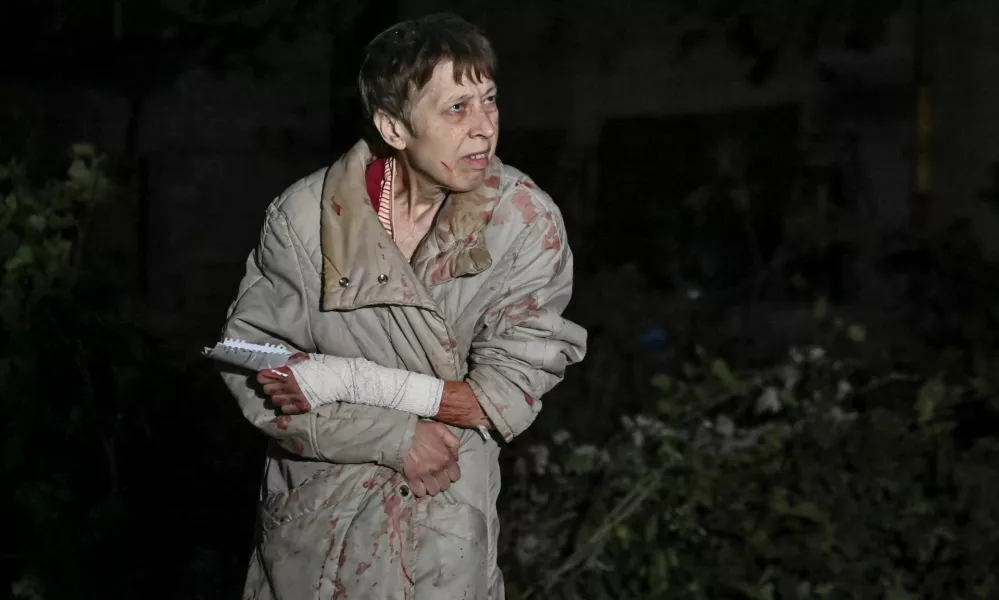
(404, 491)
(344, 282)
(383, 278)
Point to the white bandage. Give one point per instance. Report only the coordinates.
(325, 379)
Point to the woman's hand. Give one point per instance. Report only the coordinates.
(280, 386)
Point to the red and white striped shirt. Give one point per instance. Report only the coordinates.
(379, 179)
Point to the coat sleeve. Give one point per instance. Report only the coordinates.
(527, 343)
(272, 307)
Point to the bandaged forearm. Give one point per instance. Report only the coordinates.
(325, 379)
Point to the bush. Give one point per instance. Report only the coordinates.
(837, 474)
(101, 419)
(844, 469)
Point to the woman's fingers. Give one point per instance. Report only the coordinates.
(430, 483)
(291, 404)
(297, 358)
(443, 480)
(419, 490)
(453, 471)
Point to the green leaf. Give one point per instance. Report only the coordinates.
(23, 256)
(719, 368)
(83, 150)
(662, 566)
(79, 171)
(579, 463)
(29, 587)
(930, 396)
(651, 528)
(856, 333)
(623, 534)
(821, 308)
(663, 383)
(809, 511)
(37, 222)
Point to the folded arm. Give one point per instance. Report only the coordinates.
(523, 353)
(527, 345)
(302, 386)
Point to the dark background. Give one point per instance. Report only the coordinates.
(765, 199)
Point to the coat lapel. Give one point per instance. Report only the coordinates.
(459, 233)
(362, 266)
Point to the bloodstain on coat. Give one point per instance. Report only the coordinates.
(336, 206)
(524, 203)
(529, 399)
(407, 290)
(396, 513)
(281, 422)
(361, 568)
(443, 270)
(519, 312)
(449, 344)
(551, 239)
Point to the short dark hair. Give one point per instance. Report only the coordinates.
(399, 62)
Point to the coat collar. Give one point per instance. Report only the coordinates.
(363, 266)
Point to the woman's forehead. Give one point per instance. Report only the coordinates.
(443, 82)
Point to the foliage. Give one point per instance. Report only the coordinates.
(840, 469)
(91, 441)
(836, 473)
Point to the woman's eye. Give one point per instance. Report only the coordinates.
(491, 99)
(455, 108)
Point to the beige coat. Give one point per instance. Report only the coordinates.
(481, 302)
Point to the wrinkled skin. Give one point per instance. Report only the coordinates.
(450, 121)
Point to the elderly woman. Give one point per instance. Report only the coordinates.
(421, 282)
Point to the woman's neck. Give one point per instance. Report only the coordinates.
(416, 195)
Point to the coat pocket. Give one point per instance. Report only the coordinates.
(283, 507)
(337, 535)
(294, 553)
(452, 560)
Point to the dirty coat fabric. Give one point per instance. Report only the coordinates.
(481, 301)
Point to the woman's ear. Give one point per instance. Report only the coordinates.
(392, 130)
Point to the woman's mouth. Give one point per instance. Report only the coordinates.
(479, 160)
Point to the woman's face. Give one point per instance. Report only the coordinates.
(455, 128)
